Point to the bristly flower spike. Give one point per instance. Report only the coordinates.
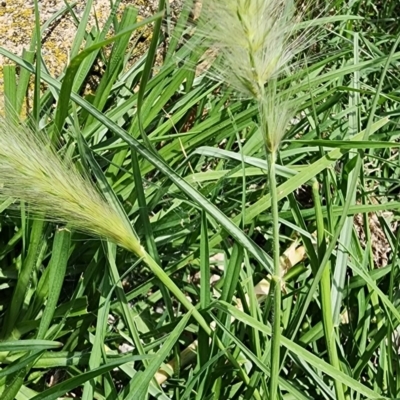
(254, 40)
(32, 172)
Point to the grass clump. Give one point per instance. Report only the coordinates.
(255, 45)
(211, 248)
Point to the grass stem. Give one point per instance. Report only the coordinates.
(168, 282)
(276, 279)
(325, 288)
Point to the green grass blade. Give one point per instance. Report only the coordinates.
(115, 62)
(62, 388)
(28, 345)
(10, 92)
(147, 71)
(14, 312)
(57, 268)
(23, 81)
(68, 81)
(299, 351)
(98, 343)
(141, 380)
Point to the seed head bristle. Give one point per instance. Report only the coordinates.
(276, 113)
(254, 40)
(32, 172)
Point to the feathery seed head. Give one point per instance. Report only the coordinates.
(253, 39)
(31, 171)
(276, 112)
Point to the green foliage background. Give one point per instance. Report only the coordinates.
(185, 161)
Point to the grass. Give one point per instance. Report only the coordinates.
(240, 288)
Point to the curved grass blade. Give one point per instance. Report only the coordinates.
(66, 87)
(141, 380)
(299, 351)
(28, 345)
(64, 387)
